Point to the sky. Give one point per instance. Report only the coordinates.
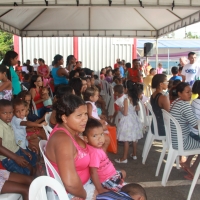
(194, 29)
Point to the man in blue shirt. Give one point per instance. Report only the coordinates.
(121, 69)
(175, 76)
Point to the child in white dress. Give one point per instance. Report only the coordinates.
(129, 128)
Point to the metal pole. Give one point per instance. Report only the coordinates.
(22, 49)
(156, 54)
(168, 62)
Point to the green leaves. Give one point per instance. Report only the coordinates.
(6, 43)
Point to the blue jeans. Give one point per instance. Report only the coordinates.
(12, 166)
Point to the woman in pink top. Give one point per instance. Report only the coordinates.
(43, 70)
(159, 69)
(66, 151)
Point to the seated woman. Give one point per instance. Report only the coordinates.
(182, 111)
(35, 87)
(66, 151)
(159, 101)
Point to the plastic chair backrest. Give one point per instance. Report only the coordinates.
(37, 190)
(171, 119)
(48, 165)
(47, 118)
(47, 130)
(34, 108)
(155, 125)
(24, 88)
(142, 113)
(167, 126)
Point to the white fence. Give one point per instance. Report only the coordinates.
(95, 53)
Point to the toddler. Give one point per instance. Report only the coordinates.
(128, 192)
(13, 158)
(19, 124)
(48, 102)
(103, 173)
(129, 128)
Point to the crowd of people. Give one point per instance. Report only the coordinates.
(77, 146)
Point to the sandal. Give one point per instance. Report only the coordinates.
(119, 161)
(134, 157)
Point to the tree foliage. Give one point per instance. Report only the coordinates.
(190, 35)
(6, 43)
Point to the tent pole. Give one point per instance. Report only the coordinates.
(168, 61)
(22, 49)
(156, 53)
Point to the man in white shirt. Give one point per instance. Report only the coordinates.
(191, 71)
(35, 64)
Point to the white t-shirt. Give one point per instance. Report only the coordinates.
(196, 109)
(35, 66)
(20, 132)
(191, 73)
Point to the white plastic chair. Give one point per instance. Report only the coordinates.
(166, 144)
(11, 196)
(150, 136)
(196, 177)
(142, 114)
(48, 165)
(47, 130)
(47, 117)
(24, 88)
(37, 190)
(174, 153)
(34, 108)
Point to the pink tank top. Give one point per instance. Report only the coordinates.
(94, 110)
(82, 159)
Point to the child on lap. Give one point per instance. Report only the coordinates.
(12, 157)
(103, 173)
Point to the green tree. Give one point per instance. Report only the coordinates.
(6, 43)
(191, 36)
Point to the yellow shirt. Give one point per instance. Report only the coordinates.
(8, 138)
(147, 80)
(194, 96)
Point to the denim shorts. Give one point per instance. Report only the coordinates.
(12, 166)
(195, 136)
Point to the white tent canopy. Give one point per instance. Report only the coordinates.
(93, 18)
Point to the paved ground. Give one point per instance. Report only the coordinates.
(177, 187)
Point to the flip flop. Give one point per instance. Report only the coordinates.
(189, 177)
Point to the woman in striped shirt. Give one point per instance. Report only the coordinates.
(182, 111)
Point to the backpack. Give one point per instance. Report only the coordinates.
(111, 195)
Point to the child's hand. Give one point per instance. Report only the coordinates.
(28, 154)
(32, 148)
(20, 160)
(103, 117)
(43, 124)
(137, 108)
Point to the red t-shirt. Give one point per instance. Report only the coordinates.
(115, 65)
(134, 75)
(43, 69)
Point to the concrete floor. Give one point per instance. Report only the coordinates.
(177, 187)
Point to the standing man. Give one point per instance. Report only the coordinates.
(35, 65)
(191, 70)
(116, 64)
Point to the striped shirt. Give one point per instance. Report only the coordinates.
(182, 112)
(196, 107)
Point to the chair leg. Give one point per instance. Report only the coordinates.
(177, 162)
(196, 176)
(168, 166)
(165, 147)
(147, 147)
(146, 141)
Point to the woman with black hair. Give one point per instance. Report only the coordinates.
(182, 111)
(59, 74)
(71, 62)
(10, 60)
(76, 84)
(43, 70)
(159, 101)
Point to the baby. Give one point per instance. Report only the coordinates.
(45, 95)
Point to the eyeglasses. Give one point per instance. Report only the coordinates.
(166, 82)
